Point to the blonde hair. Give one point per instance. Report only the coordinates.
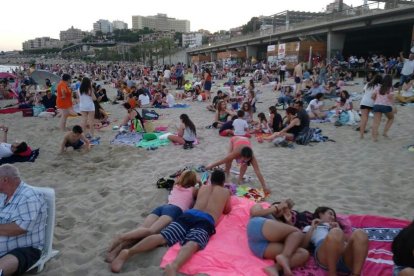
(187, 179)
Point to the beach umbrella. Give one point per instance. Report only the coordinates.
(39, 76)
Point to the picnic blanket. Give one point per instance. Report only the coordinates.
(16, 158)
(128, 138)
(174, 106)
(227, 252)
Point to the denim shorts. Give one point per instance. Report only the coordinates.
(168, 210)
(382, 108)
(397, 269)
(257, 242)
(340, 265)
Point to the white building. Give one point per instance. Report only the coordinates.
(72, 34)
(160, 22)
(42, 43)
(102, 25)
(119, 25)
(192, 40)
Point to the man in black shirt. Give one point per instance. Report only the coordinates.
(302, 114)
(49, 100)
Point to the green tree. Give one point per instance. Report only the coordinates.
(251, 26)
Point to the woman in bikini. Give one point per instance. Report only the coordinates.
(241, 149)
(222, 114)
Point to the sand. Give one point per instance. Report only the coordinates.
(112, 188)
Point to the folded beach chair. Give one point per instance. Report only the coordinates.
(48, 251)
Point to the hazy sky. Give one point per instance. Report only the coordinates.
(27, 19)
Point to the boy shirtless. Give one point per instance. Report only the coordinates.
(192, 229)
(75, 139)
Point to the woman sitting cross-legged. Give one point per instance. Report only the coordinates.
(293, 128)
(187, 133)
(180, 200)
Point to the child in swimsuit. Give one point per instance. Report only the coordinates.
(75, 139)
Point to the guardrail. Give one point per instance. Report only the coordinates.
(369, 9)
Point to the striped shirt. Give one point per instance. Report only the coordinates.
(28, 209)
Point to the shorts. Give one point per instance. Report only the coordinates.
(170, 210)
(365, 107)
(340, 265)
(297, 80)
(257, 242)
(75, 146)
(403, 78)
(27, 256)
(192, 225)
(382, 108)
(397, 269)
(207, 85)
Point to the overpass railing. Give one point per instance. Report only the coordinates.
(369, 9)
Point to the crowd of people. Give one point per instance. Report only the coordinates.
(193, 209)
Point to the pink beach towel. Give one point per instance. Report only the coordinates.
(228, 253)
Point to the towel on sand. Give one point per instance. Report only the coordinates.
(16, 158)
(228, 253)
(153, 143)
(128, 138)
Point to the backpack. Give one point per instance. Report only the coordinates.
(150, 114)
(305, 136)
(163, 183)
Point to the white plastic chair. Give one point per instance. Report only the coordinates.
(47, 252)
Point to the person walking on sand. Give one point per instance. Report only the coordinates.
(383, 104)
(192, 229)
(64, 100)
(241, 149)
(86, 106)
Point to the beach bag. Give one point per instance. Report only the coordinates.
(342, 119)
(150, 114)
(136, 125)
(37, 109)
(149, 126)
(305, 136)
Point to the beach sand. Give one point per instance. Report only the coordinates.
(112, 188)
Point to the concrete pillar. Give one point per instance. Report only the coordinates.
(335, 43)
(213, 56)
(251, 51)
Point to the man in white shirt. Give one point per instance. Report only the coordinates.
(407, 70)
(144, 99)
(7, 150)
(169, 100)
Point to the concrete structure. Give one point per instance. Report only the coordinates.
(72, 35)
(360, 31)
(160, 22)
(192, 40)
(102, 25)
(42, 43)
(119, 25)
(337, 5)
